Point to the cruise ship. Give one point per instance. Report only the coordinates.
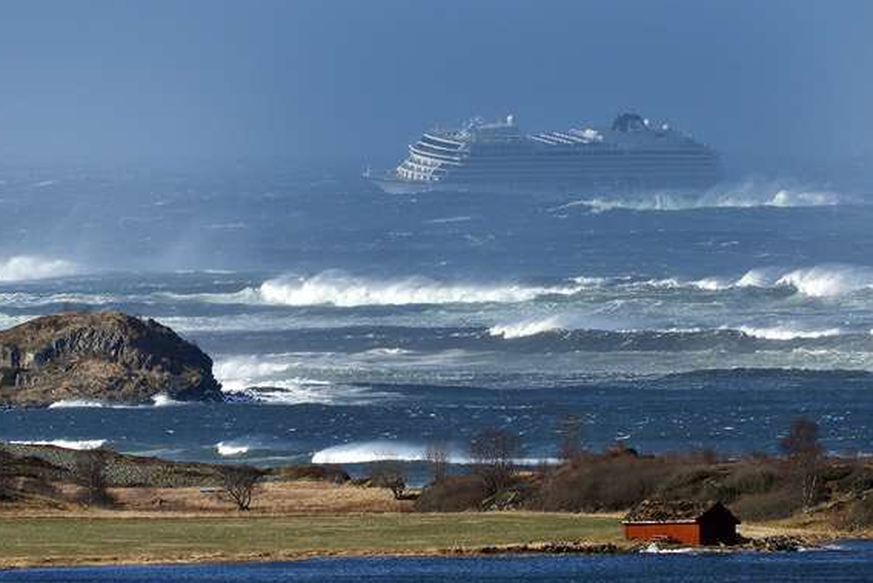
(630, 156)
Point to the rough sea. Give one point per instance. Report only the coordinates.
(375, 323)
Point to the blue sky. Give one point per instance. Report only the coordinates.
(213, 78)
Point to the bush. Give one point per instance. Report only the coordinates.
(609, 482)
(453, 494)
(780, 503)
(388, 474)
(855, 515)
(748, 479)
(240, 484)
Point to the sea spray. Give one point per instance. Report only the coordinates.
(30, 267)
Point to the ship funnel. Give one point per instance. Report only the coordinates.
(510, 120)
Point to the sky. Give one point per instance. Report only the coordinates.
(359, 80)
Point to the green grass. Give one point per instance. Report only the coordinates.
(72, 540)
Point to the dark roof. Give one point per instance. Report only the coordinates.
(673, 511)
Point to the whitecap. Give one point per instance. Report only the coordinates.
(232, 448)
(787, 333)
(368, 452)
(76, 404)
(336, 288)
(748, 194)
(828, 280)
(163, 400)
(526, 328)
(81, 444)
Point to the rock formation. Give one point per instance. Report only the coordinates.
(107, 356)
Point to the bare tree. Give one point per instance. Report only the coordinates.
(240, 483)
(570, 434)
(805, 453)
(90, 474)
(388, 473)
(437, 455)
(493, 453)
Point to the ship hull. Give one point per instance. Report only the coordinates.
(605, 190)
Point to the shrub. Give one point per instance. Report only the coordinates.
(240, 484)
(389, 474)
(453, 494)
(779, 503)
(855, 515)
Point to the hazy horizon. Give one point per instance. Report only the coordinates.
(778, 83)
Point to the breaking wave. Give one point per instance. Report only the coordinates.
(369, 451)
(364, 452)
(272, 379)
(527, 328)
(76, 404)
(787, 333)
(828, 280)
(340, 289)
(30, 267)
(749, 194)
(232, 448)
(81, 445)
(814, 281)
(160, 400)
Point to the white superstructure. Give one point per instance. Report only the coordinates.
(631, 155)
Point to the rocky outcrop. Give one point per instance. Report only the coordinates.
(106, 356)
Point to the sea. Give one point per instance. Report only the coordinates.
(848, 562)
(374, 324)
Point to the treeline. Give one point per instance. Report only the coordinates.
(801, 478)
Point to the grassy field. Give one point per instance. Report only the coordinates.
(68, 540)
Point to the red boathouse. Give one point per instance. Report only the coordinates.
(690, 523)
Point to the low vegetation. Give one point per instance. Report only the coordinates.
(757, 487)
(112, 540)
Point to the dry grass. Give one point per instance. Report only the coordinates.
(271, 498)
(104, 538)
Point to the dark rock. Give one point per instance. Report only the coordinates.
(107, 356)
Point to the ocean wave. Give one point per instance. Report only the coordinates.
(336, 288)
(527, 327)
(241, 372)
(749, 194)
(233, 448)
(365, 452)
(31, 267)
(824, 281)
(787, 333)
(273, 379)
(820, 281)
(160, 400)
(20, 299)
(368, 452)
(76, 404)
(81, 444)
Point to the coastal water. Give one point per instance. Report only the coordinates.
(847, 562)
(373, 324)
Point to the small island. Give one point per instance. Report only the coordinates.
(103, 356)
